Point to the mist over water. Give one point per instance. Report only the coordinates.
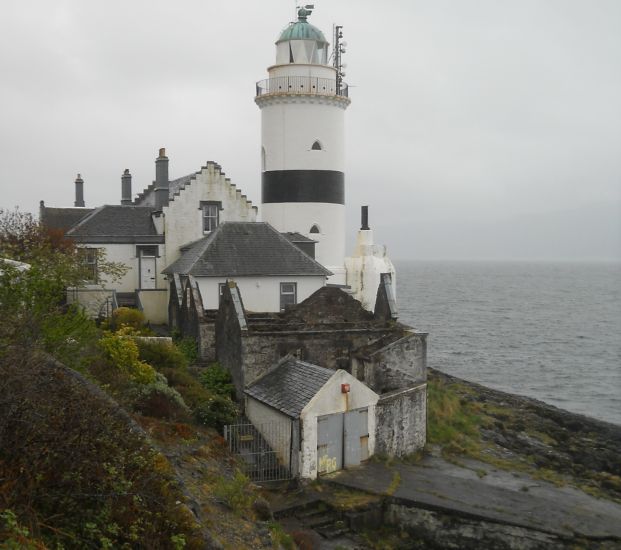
(551, 331)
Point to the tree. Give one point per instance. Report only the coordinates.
(30, 298)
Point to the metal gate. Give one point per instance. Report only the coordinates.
(260, 460)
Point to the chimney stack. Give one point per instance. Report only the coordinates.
(161, 179)
(126, 188)
(365, 219)
(79, 191)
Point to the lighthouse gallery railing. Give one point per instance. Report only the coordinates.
(300, 85)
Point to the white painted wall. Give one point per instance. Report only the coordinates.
(364, 269)
(330, 400)
(289, 127)
(301, 69)
(279, 438)
(258, 293)
(126, 254)
(183, 220)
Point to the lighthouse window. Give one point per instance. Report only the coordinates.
(316, 146)
(211, 212)
(288, 295)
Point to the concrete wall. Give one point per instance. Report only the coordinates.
(401, 363)
(154, 305)
(92, 298)
(183, 215)
(260, 351)
(330, 400)
(401, 418)
(274, 426)
(260, 293)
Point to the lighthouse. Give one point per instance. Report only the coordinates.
(303, 103)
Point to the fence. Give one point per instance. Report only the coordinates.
(304, 85)
(260, 462)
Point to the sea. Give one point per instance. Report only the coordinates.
(551, 331)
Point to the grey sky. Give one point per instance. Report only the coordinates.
(478, 129)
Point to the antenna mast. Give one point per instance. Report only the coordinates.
(339, 50)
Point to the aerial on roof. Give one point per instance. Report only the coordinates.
(61, 218)
(290, 386)
(238, 249)
(117, 224)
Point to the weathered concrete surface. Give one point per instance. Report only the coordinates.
(498, 497)
(401, 427)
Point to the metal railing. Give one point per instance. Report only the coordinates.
(259, 461)
(302, 85)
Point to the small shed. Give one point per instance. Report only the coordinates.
(328, 417)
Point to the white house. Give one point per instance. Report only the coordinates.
(328, 415)
(270, 270)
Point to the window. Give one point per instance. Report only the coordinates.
(88, 259)
(316, 146)
(314, 229)
(221, 287)
(147, 251)
(211, 213)
(288, 295)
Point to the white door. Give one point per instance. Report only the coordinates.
(147, 272)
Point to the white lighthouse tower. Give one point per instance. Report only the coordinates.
(303, 104)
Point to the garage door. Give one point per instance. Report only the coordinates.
(342, 440)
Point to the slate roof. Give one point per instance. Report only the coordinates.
(237, 249)
(62, 218)
(295, 237)
(117, 224)
(290, 386)
(177, 185)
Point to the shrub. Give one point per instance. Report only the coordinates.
(218, 380)
(161, 354)
(122, 351)
(188, 347)
(235, 493)
(127, 317)
(159, 400)
(216, 411)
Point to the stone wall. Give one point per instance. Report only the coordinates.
(401, 421)
(228, 337)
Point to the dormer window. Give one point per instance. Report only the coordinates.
(211, 215)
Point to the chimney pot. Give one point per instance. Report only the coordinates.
(126, 188)
(79, 192)
(364, 225)
(162, 152)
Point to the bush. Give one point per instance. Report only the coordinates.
(235, 493)
(122, 351)
(188, 347)
(127, 317)
(159, 400)
(161, 354)
(216, 412)
(218, 380)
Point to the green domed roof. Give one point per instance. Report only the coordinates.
(302, 30)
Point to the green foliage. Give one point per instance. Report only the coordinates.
(15, 536)
(218, 380)
(127, 317)
(280, 538)
(161, 354)
(76, 470)
(216, 411)
(121, 350)
(159, 400)
(236, 493)
(188, 347)
(70, 337)
(452, 421)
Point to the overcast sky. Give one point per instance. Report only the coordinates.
(477, 129)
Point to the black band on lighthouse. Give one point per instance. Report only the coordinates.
(303, 186)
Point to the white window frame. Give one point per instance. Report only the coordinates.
(286, 294)
(210, 214)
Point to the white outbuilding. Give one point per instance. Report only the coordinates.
(325, 418)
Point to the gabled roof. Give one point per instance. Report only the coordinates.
(237, 249)
(62, 218)
(290, 386)
(117, 224)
